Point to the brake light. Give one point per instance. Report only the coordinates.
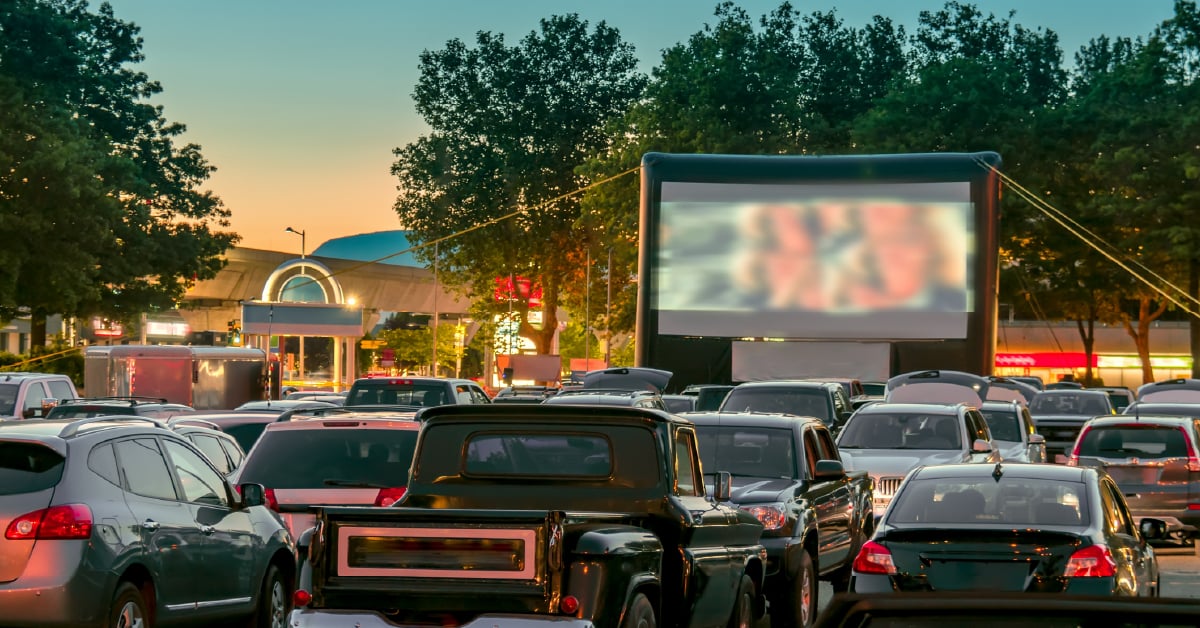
(1193, 463)
(569, 605)
(69, 521)
(1073, 457)
(401, 382)
(301, 598)
(389, 496)
(272, 502)
(874, 558)
(1093, 561)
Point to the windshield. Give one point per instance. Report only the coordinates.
(345, 455)
(1004, 424)
(552, 455)
(1051, 403)
(1025, 502)
(8, 399)
(799, 401)
(901, 431)
(747, 451)
(1145, 441)
(412, 394)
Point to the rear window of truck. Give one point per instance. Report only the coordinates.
(28, 467)
(403, 393)
(546, 455)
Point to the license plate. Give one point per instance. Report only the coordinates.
(955, 575)
(1134, 475)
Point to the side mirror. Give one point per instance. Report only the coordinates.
(1037, 439)
(31, 413)
(1153, 529)
(981, 446)
(724, 486)
(252, 494)
(829, 470)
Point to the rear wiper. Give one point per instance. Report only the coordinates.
(356, 484)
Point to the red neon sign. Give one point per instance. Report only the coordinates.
(1044, 360)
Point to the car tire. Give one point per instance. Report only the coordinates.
(743, 607)
(128, 608)
(274, 602)
(640, 613)
(799, 607)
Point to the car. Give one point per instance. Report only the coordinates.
(119, 521)
(1035, 528)
(1059, 414)
(425, 392)
(826, 401)
(1154, 460)
(245, 426)
(347, 458)
(1012, 428)
(887, 440)
(708, 396)
(1139, 408)
(680, 403)
(524, 394)
(129, 406)
(1032, 380)
(221, 449)
(31, 395)
(1179, 390)
(1120, 396)
(607, 397)
(279, 406)
(786, 471)
(875, 389)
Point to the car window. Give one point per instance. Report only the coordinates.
(61, 390)
(145, 470)
(1004, 424)
(686, 468)
(747, 451)
(812, 452)
(828, 450)
(246, 434)
(478, 396)
(977, 427)
(344, 455)
(200, 483)
(34, 394)
(1027, 421)
(209, 446)
(799, 401)
(233, 451)
(1025, 502)
(841, 402)
(902, 430)
(27, 467)
(1115, 516)
(1134, 441)
(462, 394)
(8, 399)
(103, 462)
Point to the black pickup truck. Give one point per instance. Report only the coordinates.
(576, 516)
(787, 472)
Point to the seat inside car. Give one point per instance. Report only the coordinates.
(1054, 513)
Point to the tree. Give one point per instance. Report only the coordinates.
(509, 127)
(102, 211)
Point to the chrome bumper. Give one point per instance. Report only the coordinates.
(305, 618)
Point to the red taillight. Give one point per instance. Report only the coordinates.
(269, 497)
(301, 598)
(875, 559)
(1093, 561)
(1073, 457)
(1193, 463)
(1193, 506)
(569, 605)
(70, 521)
(389, 496)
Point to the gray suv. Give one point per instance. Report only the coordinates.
(120, 522)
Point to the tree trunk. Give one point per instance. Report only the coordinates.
(1087, 334)
(1141, 335)
(37, 332)
(1193, 289)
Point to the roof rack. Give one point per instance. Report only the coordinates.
(73, 427)
(184, 420)
(132, 399)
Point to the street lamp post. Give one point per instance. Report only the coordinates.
(300, 233)
(303, 249)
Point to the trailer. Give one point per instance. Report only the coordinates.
(205, 378)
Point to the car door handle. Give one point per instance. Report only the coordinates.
(207, 530)
(150, 525)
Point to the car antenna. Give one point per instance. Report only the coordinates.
(998, 472)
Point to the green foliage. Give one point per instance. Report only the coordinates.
(58, 357)
(509, 125)
(101, 212)
(414, 347)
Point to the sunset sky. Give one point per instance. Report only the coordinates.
(299, 104)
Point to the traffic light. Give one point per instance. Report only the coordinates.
(507, 375)
(234, 337)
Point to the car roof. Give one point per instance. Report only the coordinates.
(1138, 407)
(349, 420)
(921, 408)
(1000, 405)
(751, 419)
(18, 375)
(1141, 419)
(382, 381)
(1071, 391)
(788, 383)
(1056, 472)
(56, 432)
(546, 412)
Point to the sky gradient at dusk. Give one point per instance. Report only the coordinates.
(300, 104)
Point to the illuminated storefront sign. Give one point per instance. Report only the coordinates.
(1079, 361)
(1156, 361)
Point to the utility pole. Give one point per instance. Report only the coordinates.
(435, 308)
(587, 310)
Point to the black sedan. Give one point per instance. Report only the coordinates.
(1009, 527)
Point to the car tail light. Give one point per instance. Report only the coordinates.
(69, 521)
(269, 497)
(1093, 561)
(389, 496)
(1073, 457)
(874, 558)
(1193, 506)
(569, 605)
(1193, 463)
(301, 598)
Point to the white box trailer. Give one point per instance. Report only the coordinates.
(205, 378)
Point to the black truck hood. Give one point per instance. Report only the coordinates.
(762, 490)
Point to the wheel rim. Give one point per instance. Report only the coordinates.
(805, 597)
(745, 620)
(130, 616)
(278, 605)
